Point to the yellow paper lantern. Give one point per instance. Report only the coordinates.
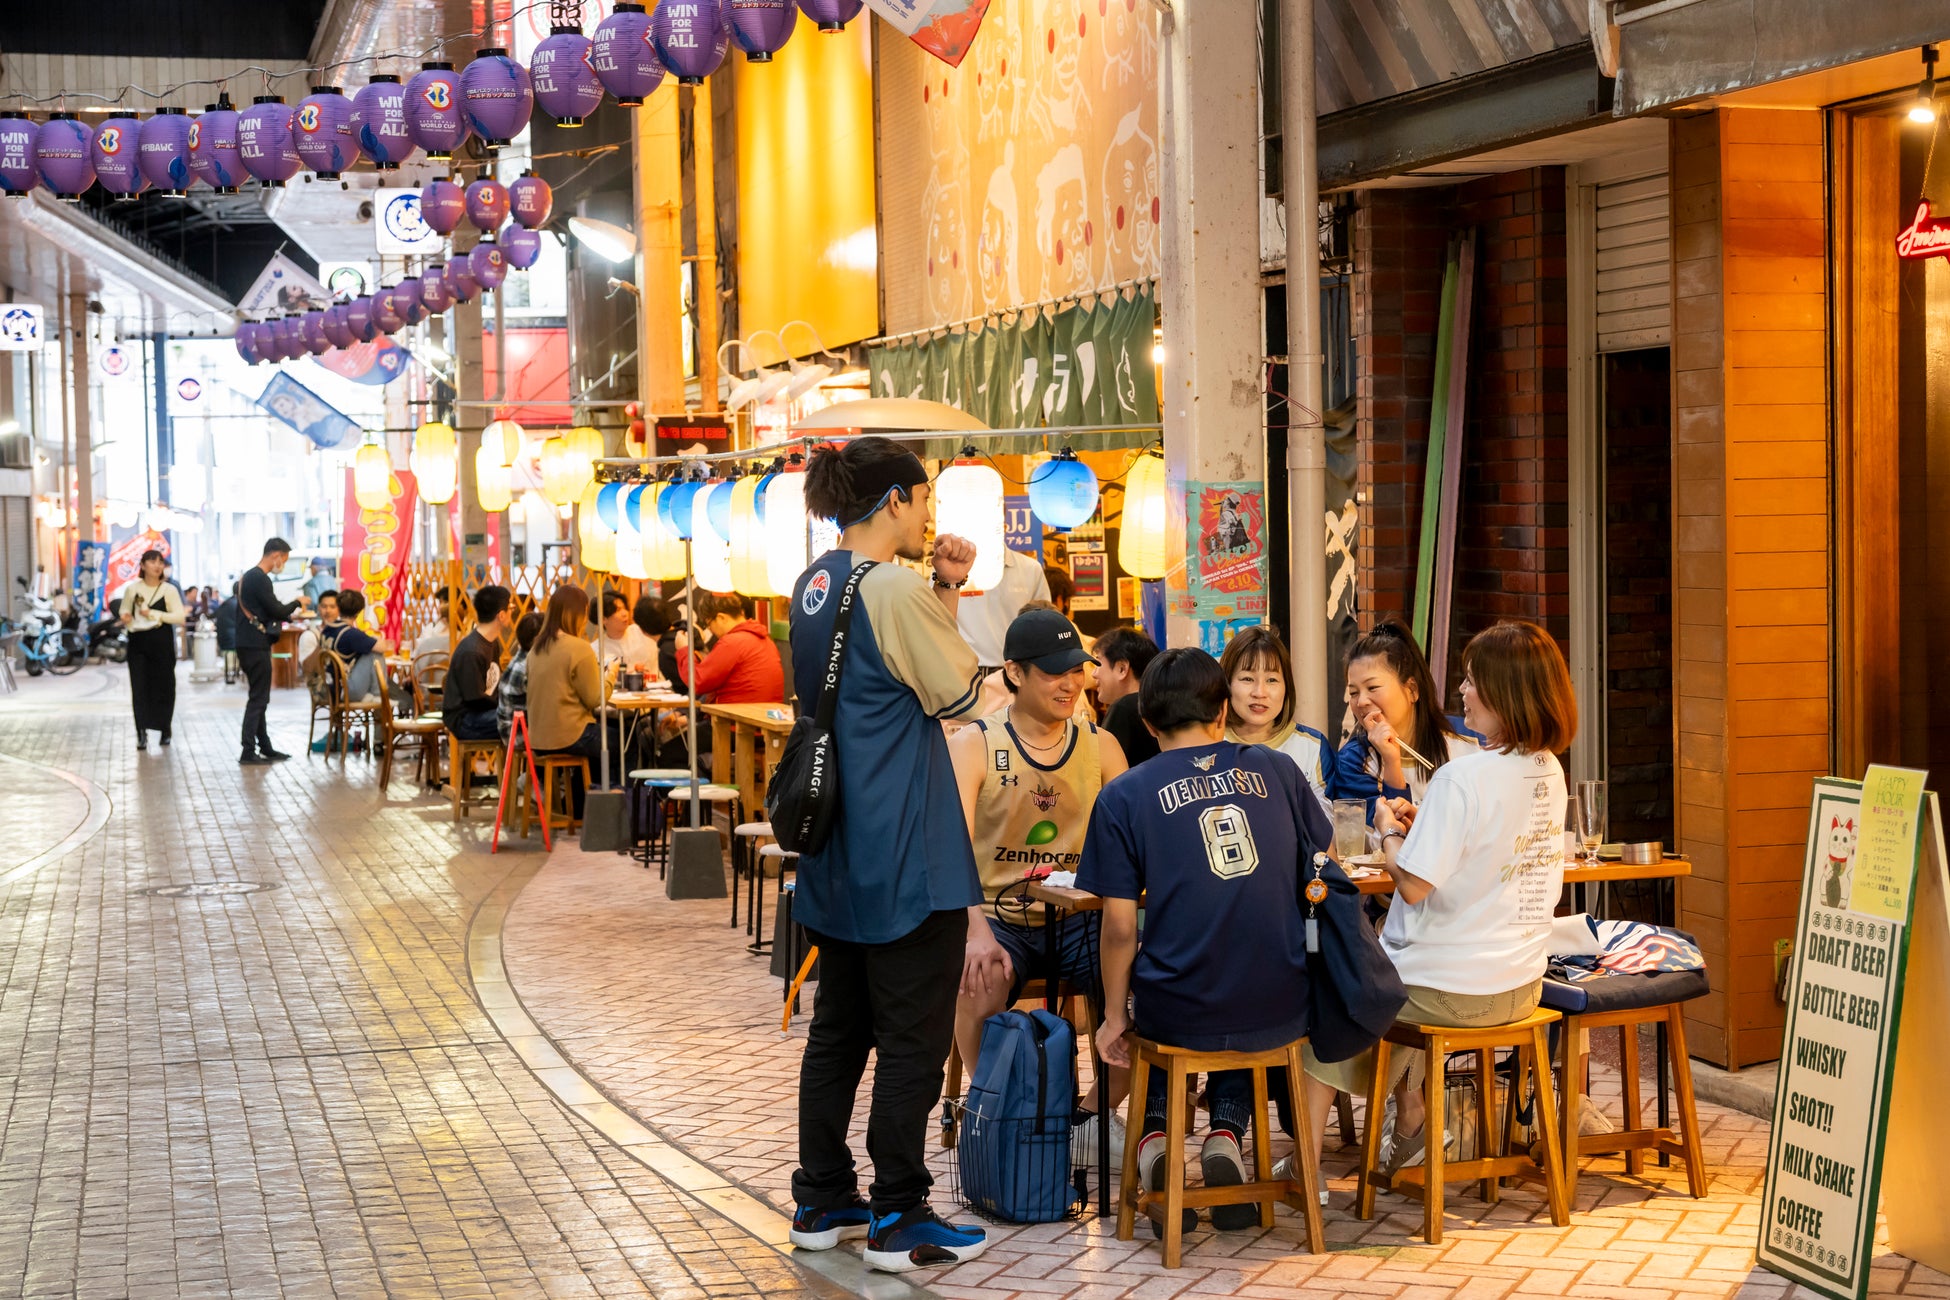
(505, 437)
(968, 504)
(749, 572)
(493, 484)
(435, 460)
(584, 447)
(785, 531)
(1141, 539)
(598, 543)
(561, 485)
(372, 477)
(663, 550)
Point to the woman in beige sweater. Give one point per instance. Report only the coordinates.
(564, 683)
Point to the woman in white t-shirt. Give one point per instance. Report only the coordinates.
(1478, 865)
(151, 609)
(1259, 706)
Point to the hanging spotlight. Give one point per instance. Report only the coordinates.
(610, 242)
(1923, 111)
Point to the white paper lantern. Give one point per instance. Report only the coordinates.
(749, 572)
(968, 504)
(785, 531)
(710, 551)
(493, 484)
(629, 541)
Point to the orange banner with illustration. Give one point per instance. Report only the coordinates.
(378, 545)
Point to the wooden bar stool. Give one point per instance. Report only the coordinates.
(1263, 1191)
(1625, 1002)
(460, 766)
(1529, 1038)
(773, 860)
(545, 803)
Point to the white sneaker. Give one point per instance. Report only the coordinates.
(1285, 1170)
(1151, 1177)
(1225, 1166)
(1590, 1119)
(1083, 1143)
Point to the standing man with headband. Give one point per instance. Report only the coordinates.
(886, 898)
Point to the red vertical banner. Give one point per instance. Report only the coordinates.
(125, 560)
(378, 546)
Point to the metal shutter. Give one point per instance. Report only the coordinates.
(1634, 264)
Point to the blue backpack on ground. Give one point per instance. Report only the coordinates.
(1014, 1150)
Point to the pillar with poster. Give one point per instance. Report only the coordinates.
(1225, 575)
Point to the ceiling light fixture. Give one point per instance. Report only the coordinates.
(1923, 111)
(606, 240)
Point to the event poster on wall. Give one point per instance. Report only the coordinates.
(1857, 1122)
(1225, 535)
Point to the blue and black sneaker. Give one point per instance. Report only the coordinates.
(814, 1229)
(920, 1239)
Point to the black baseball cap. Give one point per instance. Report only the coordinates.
(1044, 639)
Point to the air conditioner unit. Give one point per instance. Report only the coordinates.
(16, 451)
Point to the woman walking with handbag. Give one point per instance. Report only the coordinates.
(151, 608)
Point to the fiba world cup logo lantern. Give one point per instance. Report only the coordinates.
(246, 341)
(497, 96)
(18, 171)
(460, 279)
(521, 245)
(114, 154)
(385, 312)
(337, 328)
(379, 123)
(831, 15)
(489, 265)
(406, 297)
(442, 205)
(264, 141)
(435, 297)
(64, 154)
(487, 205)
(624, 59)
(358, 315)
(530, 200)
(317, 342)
(433, 117)
(690, 37)
(213, 148)
(762, 27)
(322, 132)
(163, 150)
(565, 82)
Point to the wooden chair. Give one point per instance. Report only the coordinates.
(567, 765)
(1529, 1037)
(338, 673)
(460, 765)
(429, 681)
(1625, 1002)
(319, 687)
(1264, 1190)
(421, 736)
(1076, 1009)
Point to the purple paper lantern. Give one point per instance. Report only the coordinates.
(521, 246)
(246, 341)
(496, 95)
(565, 83)
(264, 141)
(337, 328)
(379, 122)
(406, 296)
(487, 205)
(317, 342)
(459, 276)
(163, 150)
(442, 204)
(489, 265)
(435, 296)
(690, 36)
(530, 200)
(63, 151)
(831, 15)
(358, 315)
(386, 313)
(18, 171)
(289, 331)
(213, 148)
(115, 155)
(762, 27)
(623, 57)
(322, 132)
(434, 120)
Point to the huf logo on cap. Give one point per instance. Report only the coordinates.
(1066, 636)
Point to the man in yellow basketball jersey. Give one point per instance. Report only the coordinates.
(1029, 774)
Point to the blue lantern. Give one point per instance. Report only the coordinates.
(718, 506)
(674, 507)
(758, 496)
(633, 505)
(606, 508)
(1063, 491)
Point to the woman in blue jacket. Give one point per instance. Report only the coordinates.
(1393, 699)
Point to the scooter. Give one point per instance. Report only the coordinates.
(45, 645)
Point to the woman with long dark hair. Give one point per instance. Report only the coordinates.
(1394, 700)
(565, 686)
(151, 609)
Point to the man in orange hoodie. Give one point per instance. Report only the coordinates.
(743, 665)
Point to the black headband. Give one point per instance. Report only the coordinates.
(871, 483)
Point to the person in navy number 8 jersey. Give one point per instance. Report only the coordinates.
(887, 897)
(1211, 835)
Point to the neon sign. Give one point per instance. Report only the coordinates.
(1926, 236)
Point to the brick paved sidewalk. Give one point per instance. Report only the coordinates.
(290, 1092)
(659, 1004)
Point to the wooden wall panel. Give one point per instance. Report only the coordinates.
(1751, 544)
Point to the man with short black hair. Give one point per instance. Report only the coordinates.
(260, 620)
(1123, 653)
(467, 698)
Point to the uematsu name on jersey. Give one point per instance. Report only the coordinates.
(1218, 785)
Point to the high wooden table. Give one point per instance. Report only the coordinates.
(746, 741)
(1059, 898)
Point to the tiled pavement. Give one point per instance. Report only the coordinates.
(658, 1004)
(291, 1092)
